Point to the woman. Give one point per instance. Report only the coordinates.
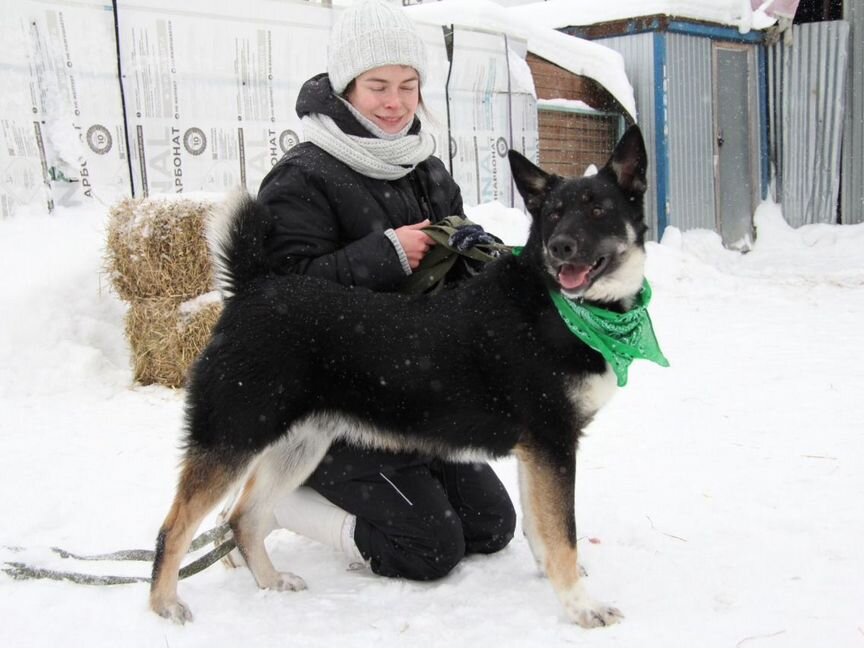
(351, 203)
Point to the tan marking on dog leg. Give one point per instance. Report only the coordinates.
(202, 484)
(547, 505)
(546, 516)
(529, 521)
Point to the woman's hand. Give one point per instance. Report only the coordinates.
(415, 242)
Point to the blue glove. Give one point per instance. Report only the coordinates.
(467, 236)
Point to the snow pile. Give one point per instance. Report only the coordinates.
(508, 224)
(782, 253)
(61, 329)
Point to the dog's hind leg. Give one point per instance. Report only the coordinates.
(281, 469)
(547, 485)
(205, 478)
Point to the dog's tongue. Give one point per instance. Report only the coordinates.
(571, 277)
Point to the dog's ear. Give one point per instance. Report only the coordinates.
(629, 162)
(531, 181)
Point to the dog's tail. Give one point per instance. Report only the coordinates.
(236, 234)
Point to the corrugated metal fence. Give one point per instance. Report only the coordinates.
(852, 183)
(808, 82)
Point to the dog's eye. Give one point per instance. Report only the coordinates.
(555, 217)
(597, 211)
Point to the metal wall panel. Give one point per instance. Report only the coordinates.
(638, 53)
(852, 182)
(808, 81)
(691, 133)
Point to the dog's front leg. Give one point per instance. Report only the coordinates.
(547, 485)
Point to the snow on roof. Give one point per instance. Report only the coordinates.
(565, 13)
(581, 57)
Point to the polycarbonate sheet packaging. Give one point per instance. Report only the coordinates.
(523, 107)
(434, 88)
(211, 88)
(22, 177)
(210, 92)
(482, 99)
(61, 108)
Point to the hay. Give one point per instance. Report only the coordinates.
(158, 261)
(157, 248)
(167, 334)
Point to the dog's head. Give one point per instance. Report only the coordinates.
(589, 233)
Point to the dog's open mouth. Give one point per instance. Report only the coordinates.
(573, 277)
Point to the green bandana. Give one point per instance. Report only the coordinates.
(619, 337)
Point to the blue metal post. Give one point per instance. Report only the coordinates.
(661, 132)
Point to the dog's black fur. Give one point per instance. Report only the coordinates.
(481, 369)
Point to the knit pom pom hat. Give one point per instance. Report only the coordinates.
(369, 34)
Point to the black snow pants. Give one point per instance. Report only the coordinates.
(416, 517)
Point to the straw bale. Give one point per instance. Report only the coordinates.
(167, 334)
(157, 248)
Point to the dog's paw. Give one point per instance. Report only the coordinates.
(175, 610)
(287, 582)
(593, 614)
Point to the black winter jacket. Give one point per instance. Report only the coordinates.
(330, 219)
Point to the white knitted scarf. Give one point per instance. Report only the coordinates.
(383, 159)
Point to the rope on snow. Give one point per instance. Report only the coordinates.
(23, 571)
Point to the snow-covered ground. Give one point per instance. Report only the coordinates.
(718, 501)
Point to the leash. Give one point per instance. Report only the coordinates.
(220, 534)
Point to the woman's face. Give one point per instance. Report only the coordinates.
(387, 96)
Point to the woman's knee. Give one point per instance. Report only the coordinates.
(429, 552)
(497, 530)
(438, 559)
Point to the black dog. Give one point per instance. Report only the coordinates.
(479, 370)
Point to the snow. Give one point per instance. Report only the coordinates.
(566, 13)
(572, 105)
(199, 303)
(717, 500)
(581, 57)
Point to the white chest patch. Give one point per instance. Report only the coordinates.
(592, 392)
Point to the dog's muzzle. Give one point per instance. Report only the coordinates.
(563, 261)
